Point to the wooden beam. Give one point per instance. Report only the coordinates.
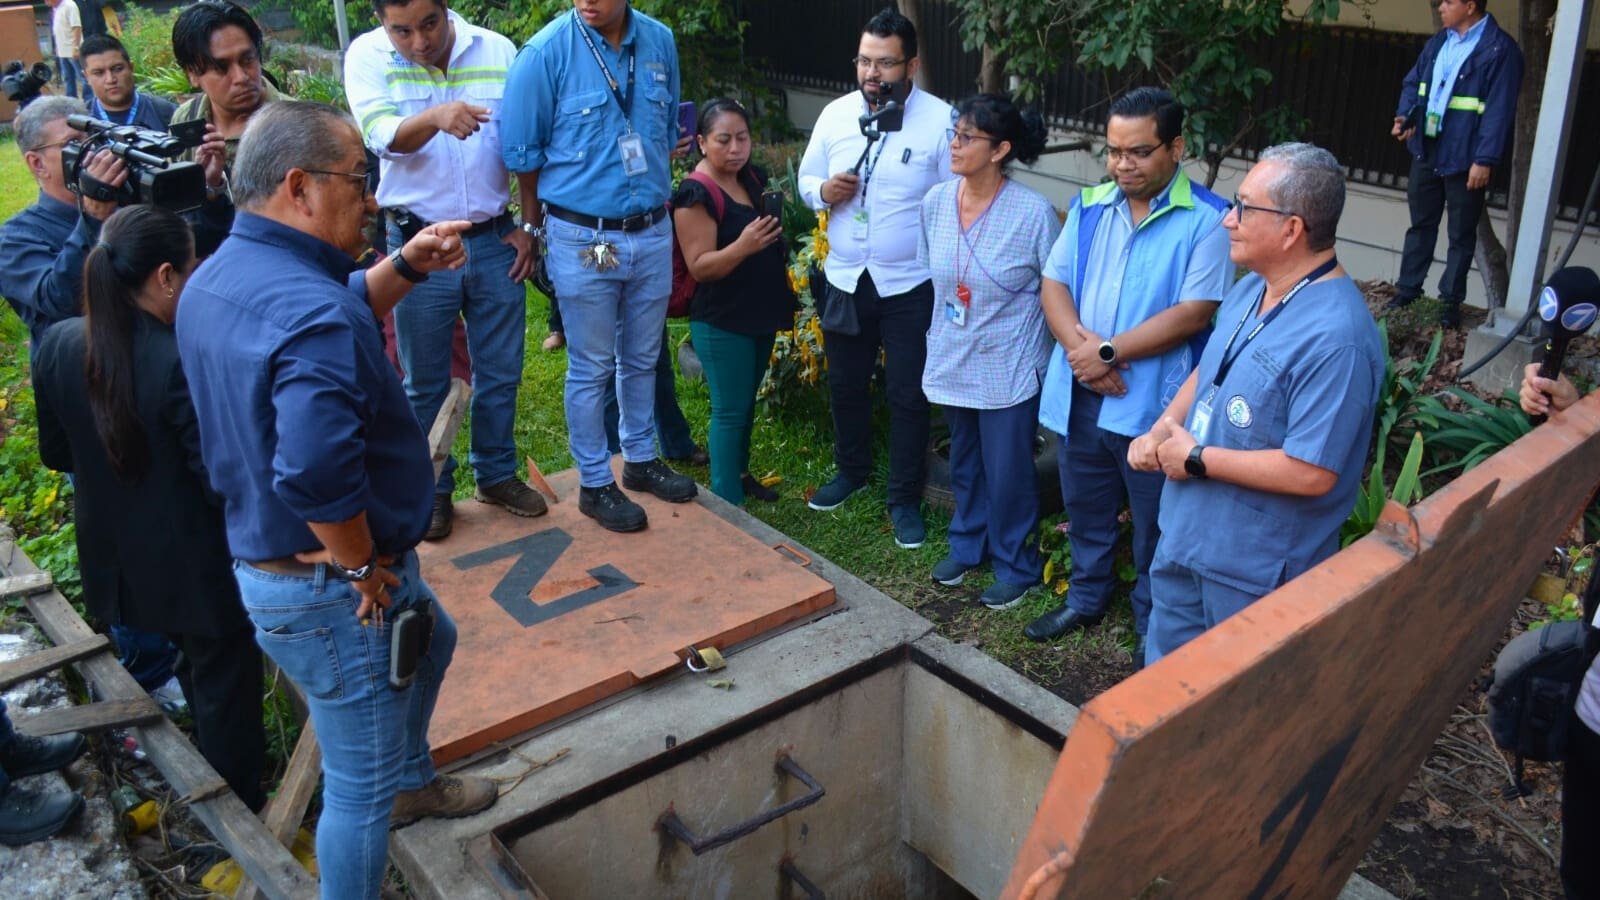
(287, 810)
(35, 664)
(244, 836)
(442, 436)
(89, 717)
(24, 585)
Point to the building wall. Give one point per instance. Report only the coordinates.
(1370, 233)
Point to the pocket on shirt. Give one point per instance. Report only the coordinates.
(658, 103)
(1250, 413)
(579, 118)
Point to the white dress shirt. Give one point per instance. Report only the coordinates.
(447, 178)
(904, 164)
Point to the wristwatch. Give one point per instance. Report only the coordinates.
(534, 231)
(361, 573)
(406, 270)
(1108, 353)
(1193, 464)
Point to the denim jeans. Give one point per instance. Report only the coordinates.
(70, 73)
(147, 655)
(494, 307)
(374, 739)
(613, 322)
(673, 437)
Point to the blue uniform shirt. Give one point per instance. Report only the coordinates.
(302, 419)
(1307, 385)
(561, 119)
(42, 250)
(1454, 52)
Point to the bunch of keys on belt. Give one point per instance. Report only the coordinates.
(600, 256)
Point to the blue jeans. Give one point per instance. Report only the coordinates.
(374, 739)
(994, 483)
(1186, 605)
(1095, 478)
(68, 67)
(147, 655)
(672, 429)
(614, 321)
(494, 308)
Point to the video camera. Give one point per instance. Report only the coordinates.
(886, 114)
(154, 175)
(21, 83)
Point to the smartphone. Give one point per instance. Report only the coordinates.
(686, 119)
(772, 204)
(191, 133)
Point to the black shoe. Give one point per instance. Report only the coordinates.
(909, 531)
(655, 477)
(514, 495)
(1057, 622)
(1138, 652)
(1450, 315)
(439, 521)
(27, 815)
(754, 489)
(36, 755)
(611, 508)
(1400, 301)
(697, 457)
(835, 492)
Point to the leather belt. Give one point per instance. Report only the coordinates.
(288, 565)
(599, 223)
(410, 223)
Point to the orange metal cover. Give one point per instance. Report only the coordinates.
(555, 613)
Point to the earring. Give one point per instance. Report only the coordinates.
(169, 293)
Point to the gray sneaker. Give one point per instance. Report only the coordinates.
(950, 573)
(1004, 596)
(834, 493)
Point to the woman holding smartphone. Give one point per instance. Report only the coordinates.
(985, 238)
(734, 249)
(114, 410)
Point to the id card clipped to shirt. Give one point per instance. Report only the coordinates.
(631, 146)
(1200, 418)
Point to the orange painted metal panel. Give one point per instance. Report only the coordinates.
(555, 613)
(1260, 760)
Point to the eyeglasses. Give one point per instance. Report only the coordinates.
(42, 147)
(366, 175)
(963, 138)
(883, 65)
(1241, 207)
(1137, 154)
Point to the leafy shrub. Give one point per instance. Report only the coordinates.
(33, 499)
(1458, 439)
(148, 37)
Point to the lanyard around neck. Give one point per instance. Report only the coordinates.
(1228, 358)
(624, 100)
(100, 112)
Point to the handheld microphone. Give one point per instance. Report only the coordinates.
(1568, 307)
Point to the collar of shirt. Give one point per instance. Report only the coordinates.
(1472, 34)
(320, 253)
(1453, 54)
(57, 209)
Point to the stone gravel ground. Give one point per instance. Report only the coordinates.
(90, 858)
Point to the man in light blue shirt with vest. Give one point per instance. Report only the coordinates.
(1128, 292)
(591, 111)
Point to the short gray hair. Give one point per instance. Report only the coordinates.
(1311, 187)
(31, 122)
(284, 135)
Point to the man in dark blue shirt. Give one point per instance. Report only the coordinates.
(326, 475)
(109, 72)
(42, 248)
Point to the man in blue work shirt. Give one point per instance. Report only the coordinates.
(43, 247)
(326, 476)
(1457, 106)
(590, 112)
(1134, 277)
(1265, 444)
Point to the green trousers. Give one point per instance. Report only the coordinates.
(735, 365)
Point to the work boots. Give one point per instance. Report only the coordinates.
(28, 815)
(447, 796)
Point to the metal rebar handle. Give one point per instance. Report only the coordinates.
(671, 824)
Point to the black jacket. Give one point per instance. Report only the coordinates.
(154, 554)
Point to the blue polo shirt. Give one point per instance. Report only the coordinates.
(42, 250)
(1120, 275)
(561, 119)
(1307, 385)
(302, 419)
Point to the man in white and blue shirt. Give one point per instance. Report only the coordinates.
(1129, 292)
(426, 88)
(589, 124)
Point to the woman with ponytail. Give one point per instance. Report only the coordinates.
(985, 238)
(114, 410)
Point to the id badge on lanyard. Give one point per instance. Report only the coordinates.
(634, 161)
(1200, 417)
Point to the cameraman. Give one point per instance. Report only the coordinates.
(109, 72)
(43, 247)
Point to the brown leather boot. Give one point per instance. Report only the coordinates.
(447, 796)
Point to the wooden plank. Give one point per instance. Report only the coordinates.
(244, 836)
(442, 436)
(35, 664)
(25, 585)
(89, 717)
(1261, 759)
(287, 810)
